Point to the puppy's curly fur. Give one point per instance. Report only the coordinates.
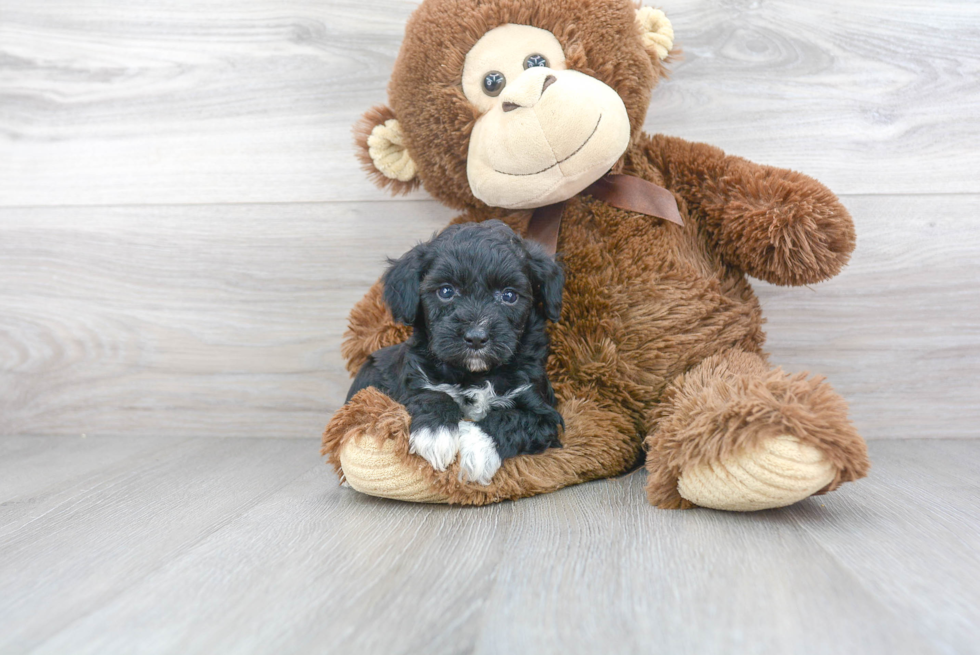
(472, 375)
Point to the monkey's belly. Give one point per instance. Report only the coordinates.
(644, 301)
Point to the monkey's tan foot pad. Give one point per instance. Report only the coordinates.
(779, 472)
(373, 467)
(366, 441)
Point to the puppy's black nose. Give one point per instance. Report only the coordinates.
(475, 337)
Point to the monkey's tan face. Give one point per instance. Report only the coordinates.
(545, 133)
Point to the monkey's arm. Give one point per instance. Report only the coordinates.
(774, 224)
(370, 328)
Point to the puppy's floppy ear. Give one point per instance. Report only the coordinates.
(402, 281)
(548, 280)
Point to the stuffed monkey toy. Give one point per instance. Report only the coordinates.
(531, 112)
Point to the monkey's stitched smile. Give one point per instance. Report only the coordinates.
(548, 168)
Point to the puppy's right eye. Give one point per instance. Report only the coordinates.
(446, 292)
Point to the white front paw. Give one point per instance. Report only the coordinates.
(437, 446)
(478, 458)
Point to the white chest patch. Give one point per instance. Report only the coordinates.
(476, 402)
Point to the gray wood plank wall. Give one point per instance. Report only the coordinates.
(183, 226)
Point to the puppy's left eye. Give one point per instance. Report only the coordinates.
(446, 292)
(508, 297)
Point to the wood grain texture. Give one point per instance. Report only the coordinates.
(183, 230)
(227, 320)
(29, 464)
(919, 512)
(80, 549)
(898, 332)
(629, 579)
(886, 565)
(231, 102)
(213, 320)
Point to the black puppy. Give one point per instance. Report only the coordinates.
(472, 375)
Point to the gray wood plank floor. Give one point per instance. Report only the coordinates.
(248, 546)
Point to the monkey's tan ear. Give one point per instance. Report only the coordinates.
(656, 31)
(382, 152)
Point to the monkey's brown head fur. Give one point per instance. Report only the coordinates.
(424, 137)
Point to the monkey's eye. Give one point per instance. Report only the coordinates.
(508, 297)
(535, 60)
(446, 292)
(493, 83)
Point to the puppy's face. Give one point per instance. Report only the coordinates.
(476, 286)
(476, 305)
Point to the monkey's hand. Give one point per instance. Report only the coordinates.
(774, 224)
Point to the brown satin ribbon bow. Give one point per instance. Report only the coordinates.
(622, 191)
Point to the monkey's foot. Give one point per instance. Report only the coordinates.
(367, 441)
(734, 434)
(374, 467)
(779, 472)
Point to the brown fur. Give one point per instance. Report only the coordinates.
(599, 39)
(729, 403)
(372, 413)
(370, 328)
(777, 225)
(661, 335)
